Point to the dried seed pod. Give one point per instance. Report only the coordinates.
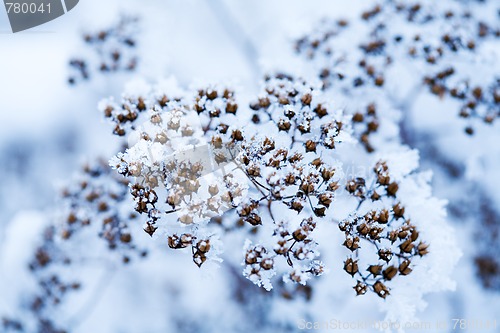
(392, 189)
(267, 264)
(325, 199)
(363, 229)
(422, 249)
(320, 211)
(199, 258)
(352, 243)
(375, 269)
(360, 288)
(398, 210)
(404, 268)
(203, 246)
(306, 99)
(383, 216)
(407, 246)
(186, 219)
(390, 272)
(351, 266)
(300, 234)
(310, 146)
(385, 254)
(381, 289)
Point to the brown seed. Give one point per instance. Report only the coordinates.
(283, 100)
(250, 258)
(399, 210)
(66, 234)
(185, 240)
(203, 246)
(360, 288)
(186, 219)
(404, 268)
(254, 219)
(199, 258)
(383, 179)
(290, 179)
(71, 218)
(299, 235)
(325, 199)
(383, 217)
(141, 105)
(215, 113)
(326, 174)
(407, 246)
(150, 229)
(173, 199)
(211, 94)
(375, 269)
(253, 170)
(156, 119)
(357, 117)
(306, 99)
(310, 146)
(381, 289)
(352, 243)
(379, 81)
(317, 162)
(422, 249)
(375, 196)
(390, 272)
(237, 135)
(126, 238)
(363, 229)
(307, 187)
(375, 233)
(231, 108)
(103, 206)
(267, 264)
(297, 206)
(392, 189)
(213, 189)
(414, 235)
(108, 111)
(344, 225)
(373, 126)
(284, 125)
(351, 266)
(489, 119)
(320, 111)
(163, 101)
(385, 254)
(320, 211)
(173, 242)
(217, 142)
(402, 234)
(333, 186)
(393, 236)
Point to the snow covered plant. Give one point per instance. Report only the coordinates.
(278, 187)
(113, 50)
(92, 225)
(398, 49)
(424, 58)
(193, 157)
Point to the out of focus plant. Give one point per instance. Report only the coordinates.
(112, 50)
